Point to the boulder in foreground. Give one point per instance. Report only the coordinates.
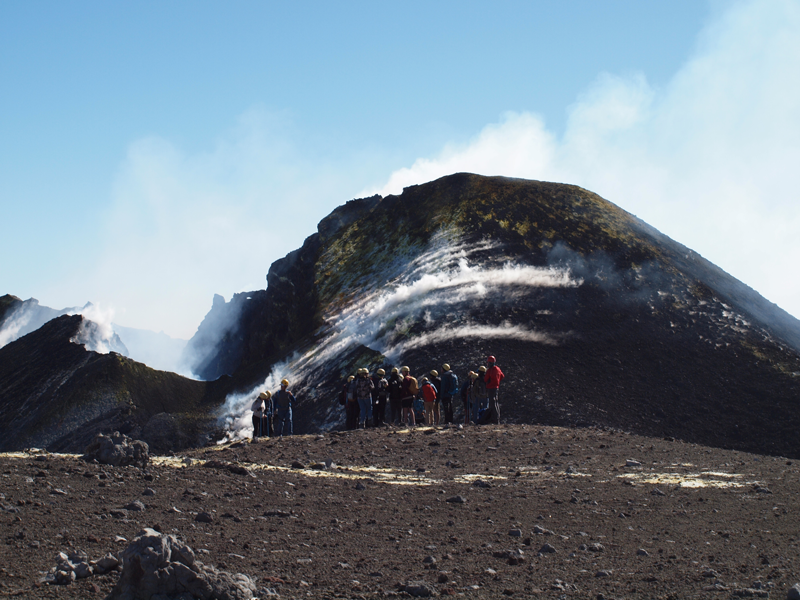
(156, 565)
(118, 450)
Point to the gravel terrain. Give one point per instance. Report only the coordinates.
(480, 512)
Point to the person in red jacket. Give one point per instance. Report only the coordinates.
(492, 378)
(429, 397)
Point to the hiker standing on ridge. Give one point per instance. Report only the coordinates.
(428, 392)
(352, 403)
(493, 377)
(269, 414)
(395, 396)
(258, 413)
(380, 392)
(284, 400)
(478, 397)
(448, 389)
(466, 394)
(364, 387)
(437, 383)
(344, 400)
(476, 394)
(410, 388)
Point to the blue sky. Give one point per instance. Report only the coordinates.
(153, 154)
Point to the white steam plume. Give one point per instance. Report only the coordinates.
(13, 325)
(436, 281)
(96, 332)
(235, 415)
(432, 285)
(474, 331)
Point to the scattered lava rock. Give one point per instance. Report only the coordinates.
(118, 450)
(157, 565)
(268, 526)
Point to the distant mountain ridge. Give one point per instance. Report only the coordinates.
(56, 394)
(158, 350)
(20, 317)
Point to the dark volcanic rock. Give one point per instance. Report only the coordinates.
(8, 304)
(163, 433)
(648, 336)
(118, 450)
(56, 394)
(157, 565)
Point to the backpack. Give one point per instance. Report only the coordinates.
(343, 395)
(395, 388)
(382, 389)
(363, 388)
(413, 386)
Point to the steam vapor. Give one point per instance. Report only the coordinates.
(95, 334)
(432, 287)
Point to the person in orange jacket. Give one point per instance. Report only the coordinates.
(492, 379)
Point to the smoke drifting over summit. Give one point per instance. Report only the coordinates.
(98, 334)
(709, 159)
(29, 316)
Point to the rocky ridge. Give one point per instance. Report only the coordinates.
(58, 395)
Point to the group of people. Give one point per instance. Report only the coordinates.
(272, 414)
(430, 399)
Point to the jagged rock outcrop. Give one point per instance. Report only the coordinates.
(159, 566)
(118, 450)
(255, 328)
(8, 304)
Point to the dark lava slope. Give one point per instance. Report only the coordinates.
(645, 335)
(56, 394)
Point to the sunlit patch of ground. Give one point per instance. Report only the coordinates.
(472, 478)
(408, 477)
(393, 476)
(703, 479)
(33, 452)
